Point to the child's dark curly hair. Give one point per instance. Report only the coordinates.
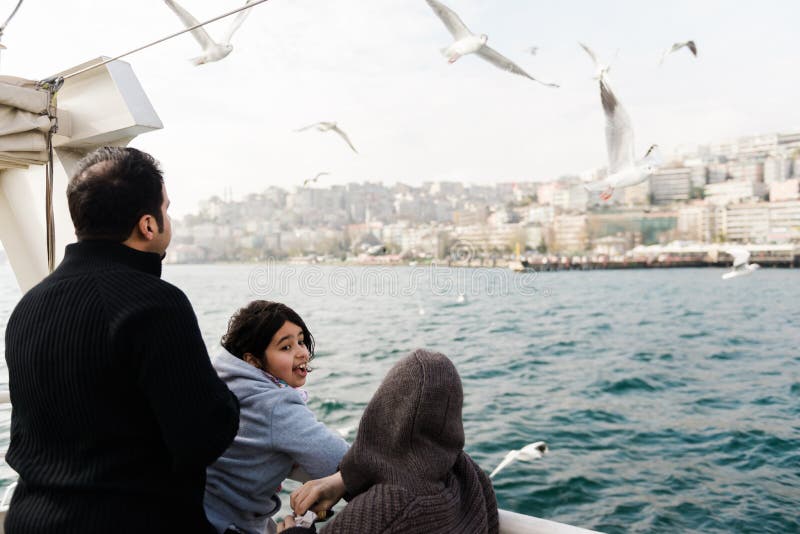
(251, 328)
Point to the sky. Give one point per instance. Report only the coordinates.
(375, 67)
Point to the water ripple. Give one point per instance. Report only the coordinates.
(669, 405)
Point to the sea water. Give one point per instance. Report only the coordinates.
(670, 399)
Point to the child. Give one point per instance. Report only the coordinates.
(265, 359)
(411, 476)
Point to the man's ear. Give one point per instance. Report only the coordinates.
(147, 227)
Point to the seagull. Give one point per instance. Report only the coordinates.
(677, 46)
(467, 42)
(3, 27)
(623, 169)
(527, 453)
(314, 179)
(212, 51)
(602, 69)
(740, 265)
(328, 127)
(532, 50)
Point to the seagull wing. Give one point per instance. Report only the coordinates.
(692, 47)
(591, 54)
(451, 20)
(237, 21)
(596, 187)
(619, 131)
(499, 60)
(344, 136)
(11, 16)
(510, 457)
(304, 128)
(200, 34)
(740, 256)
(532, 451)
(664, 55)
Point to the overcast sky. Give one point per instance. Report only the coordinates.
(374, 66)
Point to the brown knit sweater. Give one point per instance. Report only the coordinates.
(407, 471)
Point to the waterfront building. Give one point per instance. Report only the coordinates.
(731, 191)
(613, 246)
(777, 168)
(717, 172)
(534, 236)
(751, 170)
(483, 238)
(570, 234)
(698, 222)
(446, 189)
(671, 185)
(541, 214)
(544, 193)
(699, 173)
(570, 196)
(647, 226)
(424, 241)
(471, 214)
(746, 222)
(784, 221)
(783, 191)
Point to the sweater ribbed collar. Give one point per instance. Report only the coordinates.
(99, 253)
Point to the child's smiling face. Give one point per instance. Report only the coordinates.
(286, 356)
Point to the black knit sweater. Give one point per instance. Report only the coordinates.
(116, 408)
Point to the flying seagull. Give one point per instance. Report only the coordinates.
(623, 169)
(677, 46)
(11, 16)
(532, 50)
(329, 127)
(602, 69)
(467, 42)
(212, 51)
(314, 179)
(526, 453)
(740, 266)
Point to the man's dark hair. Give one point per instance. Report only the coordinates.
(111, 190)
(251, 328)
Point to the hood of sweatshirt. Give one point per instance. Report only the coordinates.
(411, 433)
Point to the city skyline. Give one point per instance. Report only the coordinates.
(747, 192)
(376, 69)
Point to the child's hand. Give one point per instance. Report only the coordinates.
(288, 522)
(318, 495)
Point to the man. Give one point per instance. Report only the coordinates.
(116, 408)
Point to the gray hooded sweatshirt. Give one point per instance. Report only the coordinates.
(407, 472)
(276, 431)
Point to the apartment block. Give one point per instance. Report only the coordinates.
(671, 185)
(698, 222)
(731, 191)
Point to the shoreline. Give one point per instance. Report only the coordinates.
(517, 266)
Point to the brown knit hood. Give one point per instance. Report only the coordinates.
(411, 433)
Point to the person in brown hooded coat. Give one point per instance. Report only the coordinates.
(407, 471)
